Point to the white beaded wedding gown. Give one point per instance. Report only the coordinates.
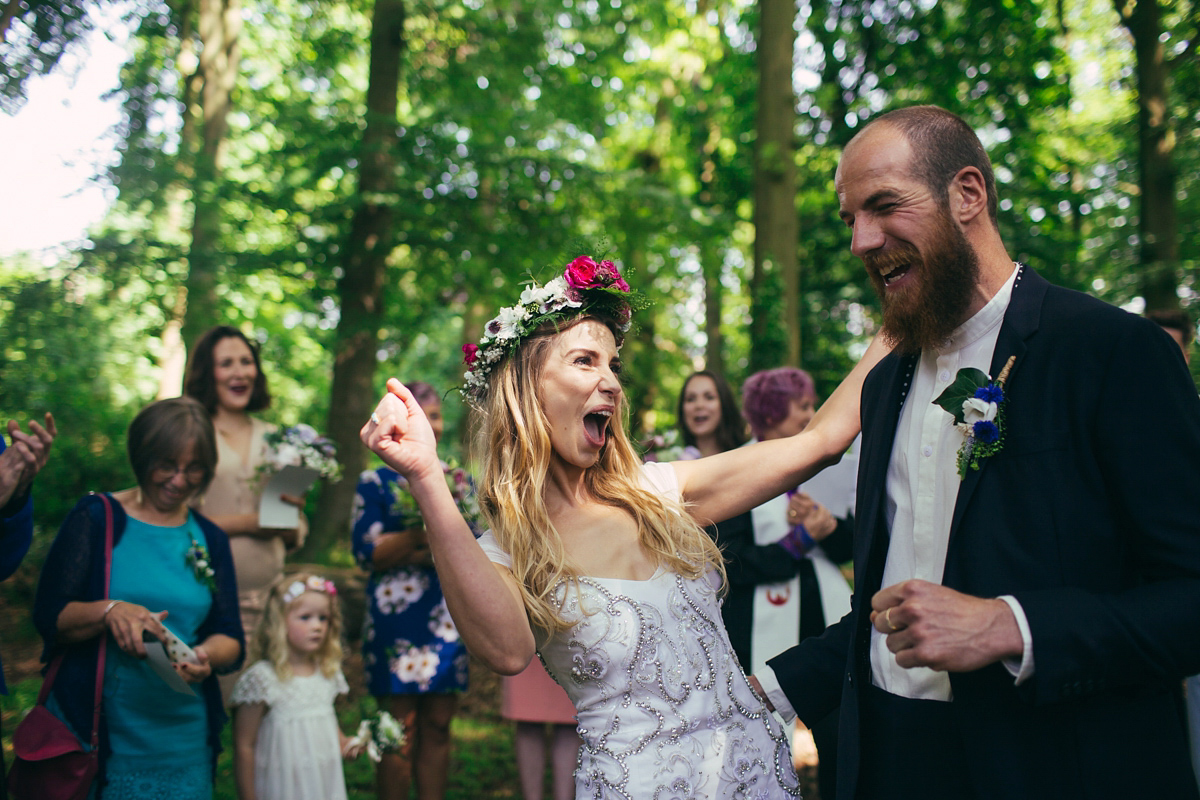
(664, 710)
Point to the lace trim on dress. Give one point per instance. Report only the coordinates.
(258, 684)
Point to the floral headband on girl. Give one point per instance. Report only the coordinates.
(585, 287)
(312, 583)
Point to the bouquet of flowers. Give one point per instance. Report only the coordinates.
(300, 446)
(380, 733)
(663, 446)
(462, 488)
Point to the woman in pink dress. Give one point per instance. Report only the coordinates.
(534, 701)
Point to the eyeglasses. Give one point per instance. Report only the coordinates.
(165, 471)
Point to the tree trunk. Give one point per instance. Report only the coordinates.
(776, 230)
(711, 268)
(220, 24)
(1158, 225)
(360, 289)
(173, 353)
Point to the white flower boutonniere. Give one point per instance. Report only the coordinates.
(201, 565)
(977, 404)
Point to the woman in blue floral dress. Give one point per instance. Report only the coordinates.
(416, 665)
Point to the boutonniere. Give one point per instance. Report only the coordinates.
(977, 404)
(197, 558)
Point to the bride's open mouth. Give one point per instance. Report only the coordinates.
(595, 426)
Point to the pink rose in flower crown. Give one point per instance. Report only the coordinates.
(618, 281)
(470, 354)
(585, 273)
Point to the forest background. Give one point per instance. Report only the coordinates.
(359, 185)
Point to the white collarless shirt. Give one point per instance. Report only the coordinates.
(923, 482)
(922, 490)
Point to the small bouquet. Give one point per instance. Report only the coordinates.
(462, 488)
(664, 447)
(300, 446)
(380, 733)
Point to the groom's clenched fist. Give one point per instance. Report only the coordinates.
(928, 625)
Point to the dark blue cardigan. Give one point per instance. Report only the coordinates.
(16, 533)
(74, 571)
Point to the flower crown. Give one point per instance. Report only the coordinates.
(585, 287)
(312, 583)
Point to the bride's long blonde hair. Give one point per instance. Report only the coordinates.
(512, 442)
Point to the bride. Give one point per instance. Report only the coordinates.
(598, 562)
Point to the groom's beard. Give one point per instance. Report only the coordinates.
(923, 314)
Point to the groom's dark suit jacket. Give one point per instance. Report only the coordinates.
(1090, 517)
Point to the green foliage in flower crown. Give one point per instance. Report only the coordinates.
(585, 287)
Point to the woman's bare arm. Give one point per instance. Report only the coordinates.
(720, 486)
(400, 548)
(484, 599)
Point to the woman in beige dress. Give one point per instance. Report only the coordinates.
(225, 374)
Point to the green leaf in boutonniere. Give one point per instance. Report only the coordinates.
(966, 383)
(977, 404)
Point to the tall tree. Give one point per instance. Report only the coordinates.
(219, 26)
(1158, 223)
(776, 229)
(360, 288)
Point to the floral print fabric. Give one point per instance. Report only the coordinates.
(410, 644)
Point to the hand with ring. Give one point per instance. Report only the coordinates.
(804, 510)
(399, 433)
(930, 625)
(798, 506)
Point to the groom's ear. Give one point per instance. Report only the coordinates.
(968, 196)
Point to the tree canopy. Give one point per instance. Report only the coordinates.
(508, 129)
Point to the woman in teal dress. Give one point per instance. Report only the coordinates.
(171, 574)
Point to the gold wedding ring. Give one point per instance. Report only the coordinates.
(887, 617)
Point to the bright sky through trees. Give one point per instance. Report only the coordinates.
(56, 143)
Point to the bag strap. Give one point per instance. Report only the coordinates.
(48, 681)
(56, 662)
(108, 548)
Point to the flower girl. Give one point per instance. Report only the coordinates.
(287, 744)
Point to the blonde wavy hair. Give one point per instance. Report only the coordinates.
(269, 642)
(512, 444)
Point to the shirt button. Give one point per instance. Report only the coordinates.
(944, 375)
(927, 450)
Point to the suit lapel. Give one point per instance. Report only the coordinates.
(881, 413)
(1020, 322)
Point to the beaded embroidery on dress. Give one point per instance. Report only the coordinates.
(665, 711)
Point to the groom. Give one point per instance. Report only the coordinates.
(1021, 631)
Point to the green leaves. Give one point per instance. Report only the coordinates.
(966, 382)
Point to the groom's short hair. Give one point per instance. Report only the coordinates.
(942, 144)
